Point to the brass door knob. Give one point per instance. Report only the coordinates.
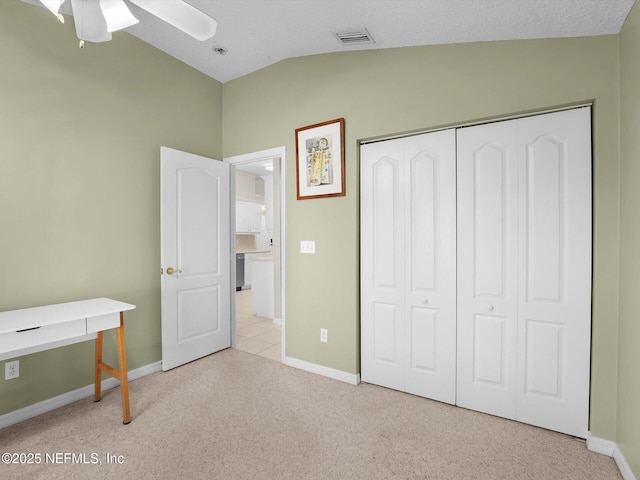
(171, 271)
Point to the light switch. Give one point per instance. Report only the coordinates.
(307, 246)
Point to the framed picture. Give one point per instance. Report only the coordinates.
(320, 160)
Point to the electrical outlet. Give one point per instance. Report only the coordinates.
(12, 370)
(323, 335)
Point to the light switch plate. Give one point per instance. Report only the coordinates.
(307, 246)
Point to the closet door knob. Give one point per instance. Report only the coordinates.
(490, 307)
(425, 301)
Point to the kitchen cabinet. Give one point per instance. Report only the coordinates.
(248, 260)
(248, 266)
(262, 290)
(248, 217)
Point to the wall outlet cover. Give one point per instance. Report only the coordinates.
(12, 370)
(324, 335)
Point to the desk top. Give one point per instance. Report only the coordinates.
(14, 320)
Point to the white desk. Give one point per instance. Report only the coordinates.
(35, 329)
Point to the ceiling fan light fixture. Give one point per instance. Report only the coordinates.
(182, 16)
(117, 15)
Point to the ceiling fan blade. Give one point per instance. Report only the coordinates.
(117, 15)
(182, 16)
(90, 23)
(53, 6)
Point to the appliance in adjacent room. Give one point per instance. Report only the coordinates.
(239, 271)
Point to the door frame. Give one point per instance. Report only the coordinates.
(277, 152)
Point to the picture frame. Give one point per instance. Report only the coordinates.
(320, 160)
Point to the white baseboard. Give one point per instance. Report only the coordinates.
(277, 321)
(39, 408)
(610, 449)
(350, 378)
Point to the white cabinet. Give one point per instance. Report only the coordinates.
(513, 237)
(262, 288)
(248, 261)
(248, 266)
(248, 217)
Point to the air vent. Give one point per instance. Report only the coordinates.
(354, 37)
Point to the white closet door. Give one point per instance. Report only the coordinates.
(554, 313)
(524, 269)
(430, 262)
(487, 268)
(408, 264)
(382, 263)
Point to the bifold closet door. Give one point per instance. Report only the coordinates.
(488, 268)
(408, 306)
(524, 269)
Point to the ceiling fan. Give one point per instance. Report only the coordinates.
(96, 19)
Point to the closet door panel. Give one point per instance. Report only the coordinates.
(489, 347)
(487, 268)
(382, 264)
(430, 260)
(423, 332)
(423, 209)
(555, 270)
(408, 310)
(544, 219)
(490, 203)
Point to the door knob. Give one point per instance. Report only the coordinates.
(490, 307)
(425, 301)
(171, 271)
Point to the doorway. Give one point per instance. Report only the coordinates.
(257, 240)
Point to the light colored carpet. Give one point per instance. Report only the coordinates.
(234, 415)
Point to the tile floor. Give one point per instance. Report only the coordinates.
(254, 334)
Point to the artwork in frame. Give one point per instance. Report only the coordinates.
(320, 160)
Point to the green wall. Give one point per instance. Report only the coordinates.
(628, 431)
(79, 178)
(79, 181)
(382, 92)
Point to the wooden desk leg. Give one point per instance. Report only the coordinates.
(98, 370)
(120, 373)
(122, 368)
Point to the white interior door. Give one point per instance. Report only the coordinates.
(382, 264)
(408, 313)
(487, 268)
(524, 269)
(196, 318)
(554, 307)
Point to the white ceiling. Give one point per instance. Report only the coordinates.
(258, 33)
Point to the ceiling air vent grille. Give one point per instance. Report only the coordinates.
(354, 37)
